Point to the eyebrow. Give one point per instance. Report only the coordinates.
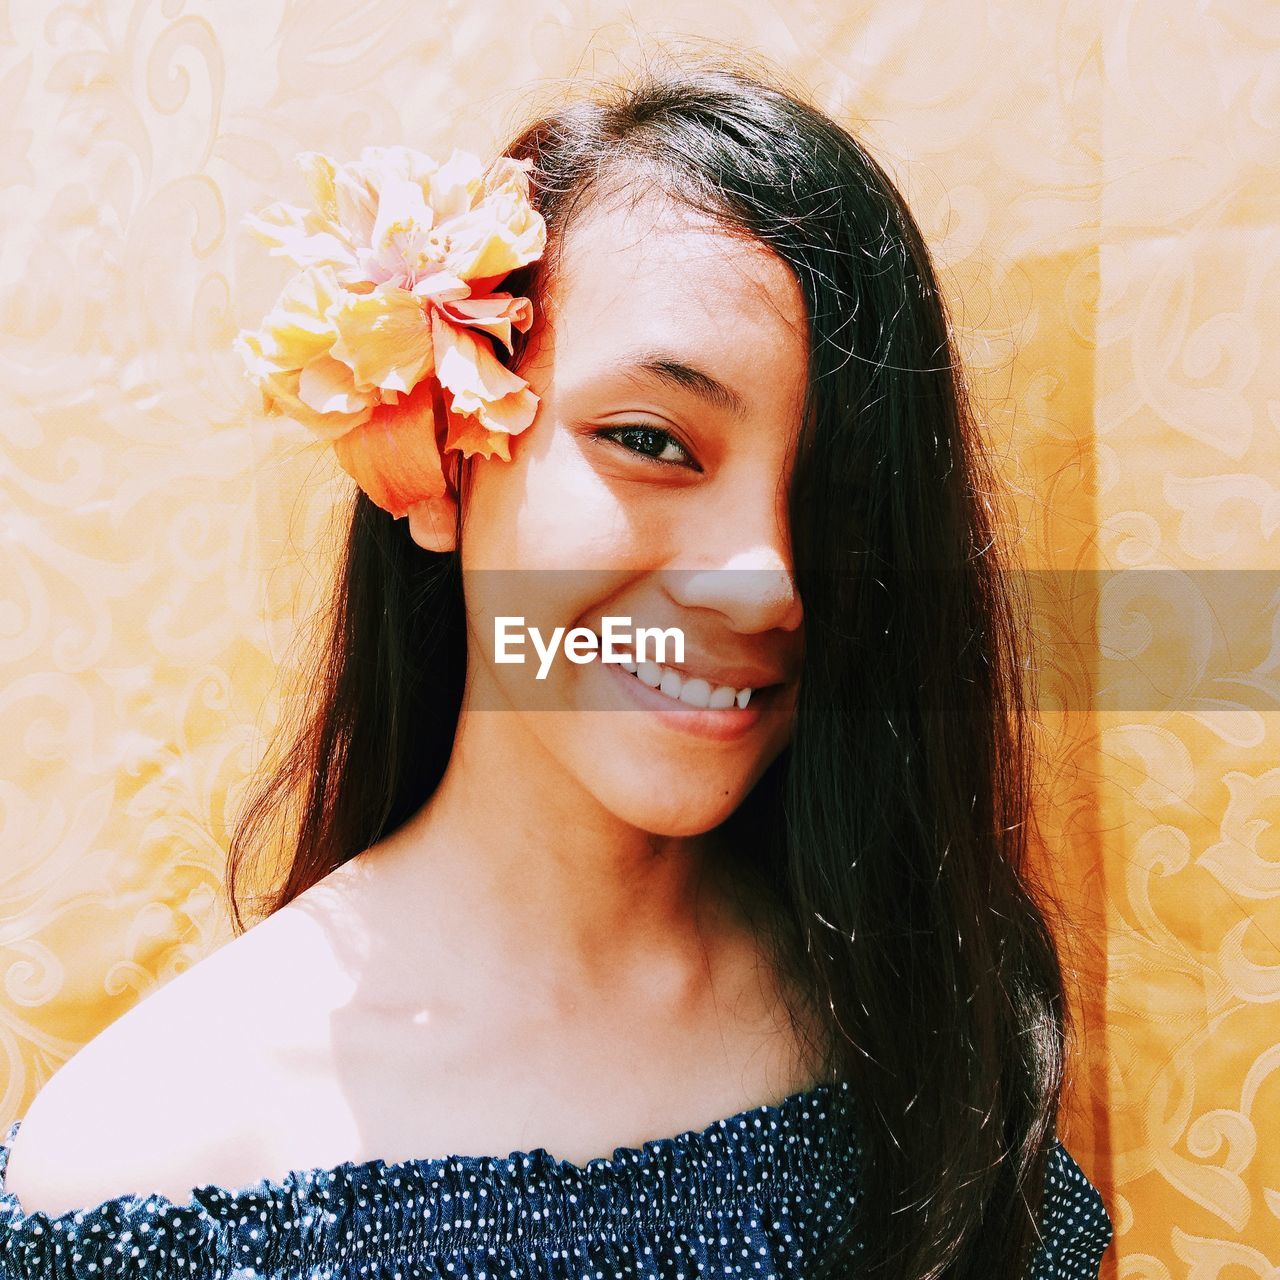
(669, 368)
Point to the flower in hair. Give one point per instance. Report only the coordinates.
(383, 341)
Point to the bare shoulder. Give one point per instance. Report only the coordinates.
(169, 1097)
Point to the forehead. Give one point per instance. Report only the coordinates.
(648, 273)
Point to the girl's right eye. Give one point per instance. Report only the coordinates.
(652, 442)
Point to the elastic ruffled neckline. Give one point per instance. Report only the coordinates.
(527, 1199)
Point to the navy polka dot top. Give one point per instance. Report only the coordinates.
(753, 1195)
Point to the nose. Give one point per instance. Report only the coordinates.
(740, 567)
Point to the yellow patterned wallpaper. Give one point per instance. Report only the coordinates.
(1099, 184)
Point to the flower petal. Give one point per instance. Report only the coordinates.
(298, 327)
(318, 170)
(400, 232)
(399, 162)
(300, 236)
(327, 386)
(384, 338)
(394, 456)
(502, 230)
(441, 286)
(477, 385)
(280, 397)
(469, 436)
(297, 335)
(356, 200)
(495, 315)
(494, 239)
(456, 184)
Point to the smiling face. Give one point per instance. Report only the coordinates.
(671, 363)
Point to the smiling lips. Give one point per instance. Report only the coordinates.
(713, 690)
(693, 690)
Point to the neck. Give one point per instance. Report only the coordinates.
(541, 877)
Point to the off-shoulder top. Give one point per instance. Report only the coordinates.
(752, 1195)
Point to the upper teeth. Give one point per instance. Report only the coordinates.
(685, 688)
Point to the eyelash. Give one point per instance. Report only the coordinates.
(611, 433)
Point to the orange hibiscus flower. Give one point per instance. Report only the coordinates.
(382, 343)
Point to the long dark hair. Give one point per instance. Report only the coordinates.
(893, 831)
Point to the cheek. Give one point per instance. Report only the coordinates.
(548, 508)
(542, 536)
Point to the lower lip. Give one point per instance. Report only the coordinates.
(720, 725)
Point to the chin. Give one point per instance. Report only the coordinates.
(665, 808)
